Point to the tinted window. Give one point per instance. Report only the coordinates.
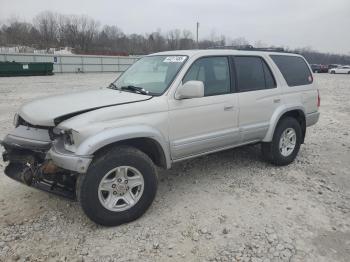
(269, 80)
(294, 69)
(213, 72)
(253, 74)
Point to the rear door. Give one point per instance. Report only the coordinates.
(258, 96)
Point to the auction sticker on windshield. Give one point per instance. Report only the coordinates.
(174, 59)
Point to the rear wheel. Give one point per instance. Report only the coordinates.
(119, 186)
(332, 72)
(285, 144)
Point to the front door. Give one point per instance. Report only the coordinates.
(208, 123)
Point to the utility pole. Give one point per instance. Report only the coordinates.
(197, 34)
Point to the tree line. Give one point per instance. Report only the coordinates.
(86, 35)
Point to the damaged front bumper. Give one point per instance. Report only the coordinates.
(38, 161)
(68, 160)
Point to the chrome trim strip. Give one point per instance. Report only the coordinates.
(202, 138)
(215, 150)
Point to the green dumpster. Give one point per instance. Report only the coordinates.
(25, 69)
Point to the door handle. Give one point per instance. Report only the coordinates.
(228, 108)
(277, 100)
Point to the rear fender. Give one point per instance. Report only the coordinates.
(279, 112)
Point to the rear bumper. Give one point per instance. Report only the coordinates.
(312, 118)
(68, 160)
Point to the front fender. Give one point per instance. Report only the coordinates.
(108, 136)
(277, 116)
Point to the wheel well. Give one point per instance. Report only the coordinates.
(300, 117)
(147, 145)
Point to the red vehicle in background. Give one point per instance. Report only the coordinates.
(316, 68)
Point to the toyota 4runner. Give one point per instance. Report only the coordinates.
(102, 147)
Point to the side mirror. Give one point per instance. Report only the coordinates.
(190, 89)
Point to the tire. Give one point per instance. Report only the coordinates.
(127, 162)
(332, 72)
(271, 151)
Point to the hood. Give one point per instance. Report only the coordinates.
(49, 111)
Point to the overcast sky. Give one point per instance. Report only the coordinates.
(320, 24)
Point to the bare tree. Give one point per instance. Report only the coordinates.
(78, 31)
(112, 38)
(173, 39)
(187, 42)
(84, 35)
(240, 41)
(47, 25)
(68, 30)
(87, 30)
(18, 33)
(156, 42)
(260, 44)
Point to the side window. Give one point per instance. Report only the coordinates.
(250, 73)
(213, 72)
(294, 69)
(269, 79)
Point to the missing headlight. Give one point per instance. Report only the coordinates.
(65, 134)
(69, 139)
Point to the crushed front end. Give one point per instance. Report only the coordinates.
(27, 152)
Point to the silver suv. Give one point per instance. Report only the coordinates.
(102, 147)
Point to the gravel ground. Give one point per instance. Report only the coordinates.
(229, 206)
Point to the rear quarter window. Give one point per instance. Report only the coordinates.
(294, 69)
(253, 73)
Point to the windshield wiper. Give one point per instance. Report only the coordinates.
(113, 86)
(135, 89)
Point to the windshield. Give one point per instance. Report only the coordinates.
(151, 73)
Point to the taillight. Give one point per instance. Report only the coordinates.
(318, 99)
(310, 78)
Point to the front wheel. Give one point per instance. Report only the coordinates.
(118, 187)
(285, 144)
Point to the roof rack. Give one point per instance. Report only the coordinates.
(250, 48)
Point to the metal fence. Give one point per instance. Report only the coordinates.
(75, 63)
